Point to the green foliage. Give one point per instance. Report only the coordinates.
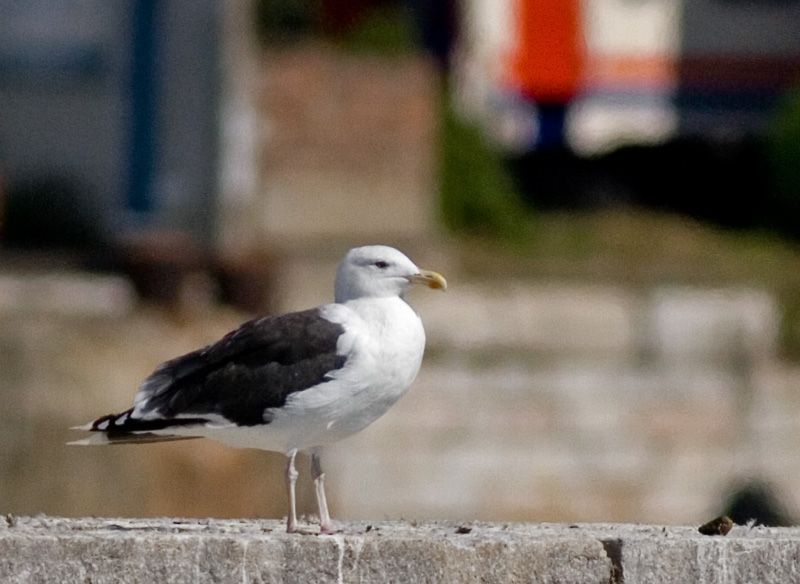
(477, 194)
(386, 30)
(783, 147)
(383, 30)
(280, 21)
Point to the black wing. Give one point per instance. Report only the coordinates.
(253, 368)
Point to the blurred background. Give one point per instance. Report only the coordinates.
(612, 188)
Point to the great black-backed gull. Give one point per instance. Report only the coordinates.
(293, 382)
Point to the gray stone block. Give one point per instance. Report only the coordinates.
(702, 324)
(43, 549)
(108, 551)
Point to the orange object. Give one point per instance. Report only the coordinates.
(546, 63)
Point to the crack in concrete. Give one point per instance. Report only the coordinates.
(341, 545)
(613, 549)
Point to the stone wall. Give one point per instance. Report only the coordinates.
(34, 550)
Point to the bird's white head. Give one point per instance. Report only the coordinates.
(379, 271)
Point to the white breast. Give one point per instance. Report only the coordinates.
(384, 343)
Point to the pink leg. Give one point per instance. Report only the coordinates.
(291, 480)
(326, 526)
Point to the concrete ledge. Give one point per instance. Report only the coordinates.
(45, 549)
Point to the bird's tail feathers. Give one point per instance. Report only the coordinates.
(124, 429)
(103, 439)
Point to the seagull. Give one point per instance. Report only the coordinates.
(293, 382)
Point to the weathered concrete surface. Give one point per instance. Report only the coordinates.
(45, 549)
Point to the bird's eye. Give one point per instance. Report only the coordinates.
(381, 265)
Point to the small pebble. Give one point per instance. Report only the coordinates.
(719, 526)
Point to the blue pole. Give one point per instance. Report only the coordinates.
(143, 101)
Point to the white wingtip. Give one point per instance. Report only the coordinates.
(85, 427)
(84, 442)
(96, 439)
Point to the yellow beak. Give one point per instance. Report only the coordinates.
(430, 279)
